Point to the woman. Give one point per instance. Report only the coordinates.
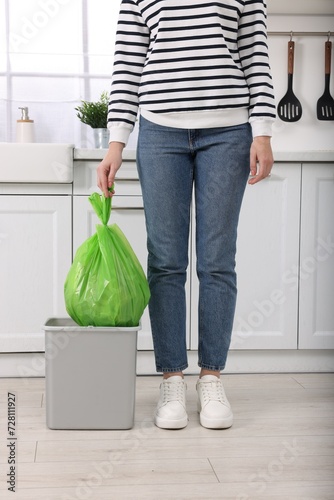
(199, 72)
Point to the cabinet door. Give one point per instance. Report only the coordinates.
(267, 264)
(128, 213)
(35, 256)
(316, 318)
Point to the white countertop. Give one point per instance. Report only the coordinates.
(98, 154)
(304, 156)
(280, 156)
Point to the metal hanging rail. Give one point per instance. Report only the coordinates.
(301, 33)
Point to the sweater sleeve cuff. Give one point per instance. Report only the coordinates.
(119, 134)
(262, 127)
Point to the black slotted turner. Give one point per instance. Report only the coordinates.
(325, 105)
(289, 108)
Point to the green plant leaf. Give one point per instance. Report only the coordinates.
(94, 114)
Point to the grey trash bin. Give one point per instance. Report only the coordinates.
(90, 375)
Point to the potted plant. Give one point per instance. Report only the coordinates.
(95, 115)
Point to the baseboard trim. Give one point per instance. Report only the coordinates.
(264, 361)
(256, 361)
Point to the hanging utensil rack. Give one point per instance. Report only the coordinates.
(300, 33)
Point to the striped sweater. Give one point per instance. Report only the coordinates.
(191, 64)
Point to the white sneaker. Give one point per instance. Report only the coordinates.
(213, 406)
(171, 409)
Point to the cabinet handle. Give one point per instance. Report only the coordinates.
(125, 179)
(126, 208)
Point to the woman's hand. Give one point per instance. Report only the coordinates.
(108, 167)
(261, 159)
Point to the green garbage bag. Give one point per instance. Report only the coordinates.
(106, 285)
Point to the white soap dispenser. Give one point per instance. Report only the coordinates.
(25, 127)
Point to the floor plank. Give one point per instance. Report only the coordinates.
(26, 451)
(115, 473)
(218, 491)
(289, 465)
(185, 448)
(254, 426)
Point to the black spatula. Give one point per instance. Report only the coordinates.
(325, 105)
(289, 108)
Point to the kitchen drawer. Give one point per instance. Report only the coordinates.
(126, 183)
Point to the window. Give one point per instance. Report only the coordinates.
(53, 53)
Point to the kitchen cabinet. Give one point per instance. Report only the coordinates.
(35, 255)
(267, 253)
(300, 7)
(285, 263)
(272, 244)
(127, 212)
(316, 305)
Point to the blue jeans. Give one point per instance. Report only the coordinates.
(170, 162)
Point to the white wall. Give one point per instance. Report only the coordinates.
(311, 7)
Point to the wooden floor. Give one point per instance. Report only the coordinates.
(280, 446)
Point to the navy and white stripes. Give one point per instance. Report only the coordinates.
(187, 58)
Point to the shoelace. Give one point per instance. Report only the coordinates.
(173, 391)
(213, 391)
